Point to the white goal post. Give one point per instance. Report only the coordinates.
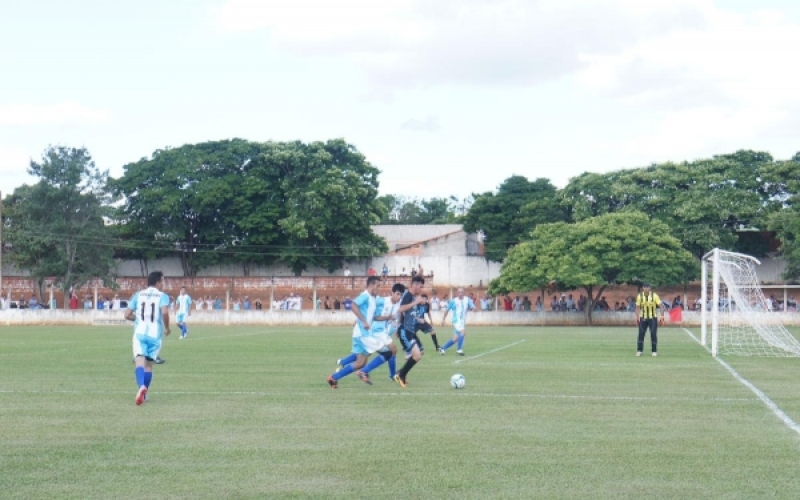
(743, 322)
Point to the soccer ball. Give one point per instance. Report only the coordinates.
(458, 381)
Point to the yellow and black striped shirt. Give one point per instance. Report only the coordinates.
(648, 305)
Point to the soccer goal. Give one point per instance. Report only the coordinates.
(742, 323)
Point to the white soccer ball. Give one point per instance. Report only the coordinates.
(458, 381)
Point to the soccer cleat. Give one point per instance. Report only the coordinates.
(460, 352)
(159, 361)
(364, 377)
(655, 354)
(339, 365)
(141, 395)
(399, 380)
(334, 384)
(638, 353)
(441, 351)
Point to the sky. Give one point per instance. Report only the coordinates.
(445, 97)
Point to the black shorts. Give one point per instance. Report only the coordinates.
(425, 327)
(408, 339)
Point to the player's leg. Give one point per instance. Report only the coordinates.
(450, 343)
(413, 357)
(640, 340)
(350, 358)
(462, 334)
(181, 319)
(433, 337)
(654, 336)
(360, 351)
(143, 348)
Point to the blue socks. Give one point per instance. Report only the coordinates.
(148, 377)
(376, 362)
(392, 367)
(349, 359)
(345, 371)
(139, 376)
(460, 341)
(447, 345)
(184, 329)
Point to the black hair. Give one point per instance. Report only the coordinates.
(398, 287)
(418, 279)
(424, 296)
(154, 277)
(372, 279)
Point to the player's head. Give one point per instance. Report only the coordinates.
(646, 287)
(460, 293)
(155, 278)
(183, 290)
(417, 282)
(424, 298)
(372, 284)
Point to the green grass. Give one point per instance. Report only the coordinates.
(244, 412)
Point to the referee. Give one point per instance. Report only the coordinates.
(647, 307)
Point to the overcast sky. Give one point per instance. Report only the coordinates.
(445, 97)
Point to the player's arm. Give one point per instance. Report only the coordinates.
(130, 314)
(446, 312)
(360, 316)
(189, 308)
(637, 311)
(165, 318)
(409, 305)
(663, 309)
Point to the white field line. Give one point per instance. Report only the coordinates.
(488, 352)
(217, 337)
(763, 397)
(358, 393)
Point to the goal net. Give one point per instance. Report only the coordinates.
(742, 321)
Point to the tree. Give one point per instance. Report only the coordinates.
(784, 180)
(57, 226)
(251, 203)
(595, 253)
(507, 216)
(401, 210)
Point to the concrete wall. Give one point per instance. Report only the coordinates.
(345, 318)
(407, 234)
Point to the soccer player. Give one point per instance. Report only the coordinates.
(407, 331)
(184, 305)
(391, 305)
(149, 308)
(425, 321)
(460, 305)
(647, 305)
(364, 343)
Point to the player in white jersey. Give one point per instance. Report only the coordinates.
(389, 313)
(149, 309)
(460, 305)
(184, 306)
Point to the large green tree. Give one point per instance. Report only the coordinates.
(594, 253)
(507, 216)
(784, 180)
(57, 226)
(402, 210)
(703, 202)
(252, 203)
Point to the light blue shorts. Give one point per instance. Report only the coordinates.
(144, 345)
(181, 318)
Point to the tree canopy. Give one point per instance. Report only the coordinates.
(250, 203)
(57, 226)
(594, 253)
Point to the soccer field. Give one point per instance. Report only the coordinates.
(245, 412)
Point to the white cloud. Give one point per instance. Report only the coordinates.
(63, 113)
(13, 168)
(733, 81)
(402, 43)
(429, 124)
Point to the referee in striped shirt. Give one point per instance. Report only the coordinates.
(648, 304)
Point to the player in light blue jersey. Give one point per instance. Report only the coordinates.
(364, 343)
(149, 309)
(460, 305)
(388, 307)
(184, 305)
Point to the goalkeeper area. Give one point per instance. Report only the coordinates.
(244, 412)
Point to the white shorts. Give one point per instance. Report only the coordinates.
(459, 327)
(144, 345)
(369, 345)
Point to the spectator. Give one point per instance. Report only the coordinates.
(385, 270)
(413, 272)
(581, 303)
(539, 303)
(336, 304)
(554, 305)
(73, 301)
(570, 303)
(507, 304)
(258, 304)
(246, 304)
(101, 304)
(403, 272)
(562, 303)
(485, 303)
(420, 271)
(327, 303)
(347, 271)
(602, 304)
(217, 303)
(435, 303)
(3, 305)
(33, 303)
(526, 304)
(347, 303)
(237, 305)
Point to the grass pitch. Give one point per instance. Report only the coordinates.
(245, 412)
